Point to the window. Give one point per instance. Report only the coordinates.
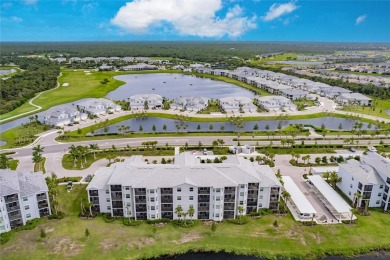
(351, 185)
(153, 216)
(241, 194)
(191, 206)
(217, 215)
(241, 202)
(27, 207)
(107, 192)
(178, 189)
(217, 206)
(260, 205)
(242, 186)
(379, 194)
(25, 199)
(28, 215)
(108, 200)
(191, 189)
(381, 187)
(127, 188)
(153, 208)
(218, 198)
(349, 193)
(151, 199)
(127, 196)
(218, 190)
(151, 191)
(108, 207)
(178, 197)
(261, 197)
(191, 197)
(128, 204)
(261, 189)
(353, 179)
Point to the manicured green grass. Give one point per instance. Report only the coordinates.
(68, 162)
(289, 150)
(377, 109)
(21, 135)
(282, 57)
(212, 108)
(66, 239)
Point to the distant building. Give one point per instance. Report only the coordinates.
(146, 101)
(214, 190)
(190, 103)
(23, 197)
(246, 149)
(276, 103)
(140, 66)
(61, 116)
(98, 106)
(354, 99)
(237, 104)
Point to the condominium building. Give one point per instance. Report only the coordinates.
(215, 191)
(369, 177)
(23, 197)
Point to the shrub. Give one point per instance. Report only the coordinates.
(66, 179)
(5, 237)
(239, 220)
(187, 224)
(107, 218)
(30, 224)
(131, 222)
(156, 221)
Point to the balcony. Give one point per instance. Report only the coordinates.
(253, 196)
(41, 197)
(92, 193)
(140, 192)
(203, 215)
(117, 198)
(140, 201)
(116, 187)
(166, 191)
(13, 208)
(44, 212)
(253, 186)
(203, 190)
(42, 205)
(203, 198)
(229, 199)
(167, 199)
(140, 208)
(15, 217)
(228, 207)
(117, 204)
(230, 190)
(11, 198)
(166, 207)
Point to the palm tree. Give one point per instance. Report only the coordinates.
(353, 211)
(240, 212)
(38, 149)
(179, 211)
(73, 154)
(94, 147)
(89, 205)
(334, 179)
(37, 159)
(286, 196)
(326, 175)
(191, 212)
(54, 204)
(358, 197)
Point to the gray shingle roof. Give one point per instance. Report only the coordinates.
(25, 183)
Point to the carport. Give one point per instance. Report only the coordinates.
(330, 198)
(299, 205)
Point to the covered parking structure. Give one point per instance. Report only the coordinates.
(300, 207)
(330, 198)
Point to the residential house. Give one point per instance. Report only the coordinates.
(190, 103)
(237, 104)
(146, 101)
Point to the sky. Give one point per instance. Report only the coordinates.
(195, 20)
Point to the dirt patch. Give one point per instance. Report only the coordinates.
(317, 237)
(49, 230)
(108, 244)
(141, 243)
(63, 246)
(186, 238)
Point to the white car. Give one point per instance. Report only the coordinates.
(372, 149)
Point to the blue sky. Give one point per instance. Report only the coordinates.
(148, 20)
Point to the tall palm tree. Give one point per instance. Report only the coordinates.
(38, 149)
(191, 212)
(54, 204)
(358, 197)
(179, 211)
(286, 196)
(334, 179)
(94, 147)
(240, 212)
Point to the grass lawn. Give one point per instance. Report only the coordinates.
(21, 135)
(289, 150)
(66, 239)
(40, 166)
(68, 163)
(281, 57)
(377, 109)
(212, 108)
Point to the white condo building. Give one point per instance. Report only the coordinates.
(370, 177)
(23, 197)
(151, 191)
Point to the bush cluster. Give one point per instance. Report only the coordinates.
(157, 221)
(131, 222)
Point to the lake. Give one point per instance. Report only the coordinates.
(148, 122)
(175, 85)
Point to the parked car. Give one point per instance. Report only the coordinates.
(372, 149)
(352, 149)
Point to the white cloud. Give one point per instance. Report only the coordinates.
(360, 19)
(189, 17)
(277, 10)
(16, 19)
(30, 2)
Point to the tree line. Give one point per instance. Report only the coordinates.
(37, 75)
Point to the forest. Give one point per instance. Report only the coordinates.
(193, 51)
(37, 75)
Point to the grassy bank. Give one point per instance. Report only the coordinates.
(66, 238)
(377, 109)
(68, 161)
(21, 135)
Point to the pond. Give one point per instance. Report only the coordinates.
(175, 85)
(171, 125)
